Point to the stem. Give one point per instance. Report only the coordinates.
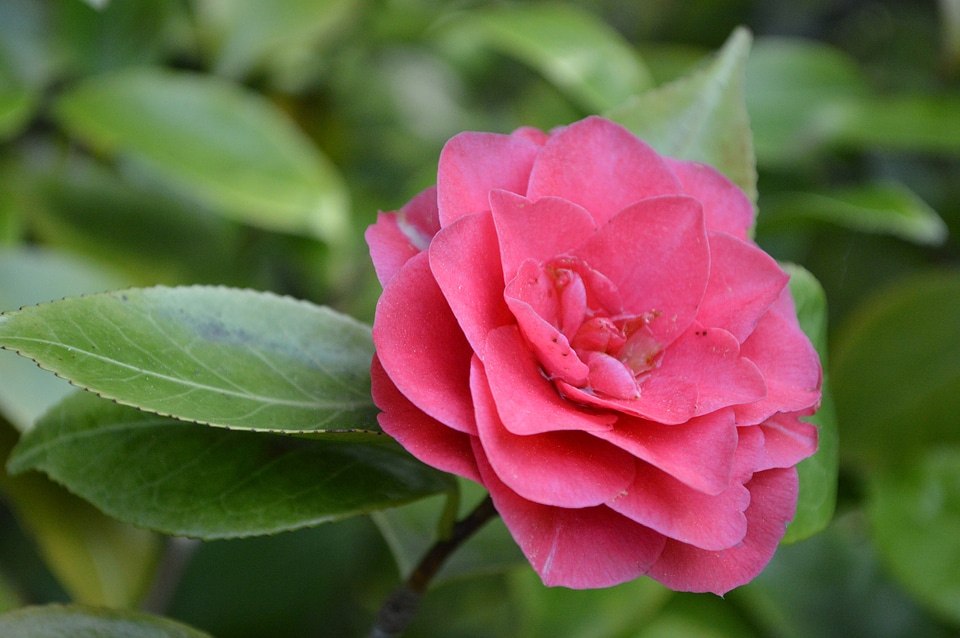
(176, 557)
(400, 607)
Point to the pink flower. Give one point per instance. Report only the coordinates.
(585, 328)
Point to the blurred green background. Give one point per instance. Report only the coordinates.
(249, 143)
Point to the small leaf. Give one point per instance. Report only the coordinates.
(188, 480)
(572, 48)
(29, 276)
(915, 514)
(98, 560)
(224, 357)
(224, 145)
(885, 208)
(701, 117)
(818, 473)
(76, 621)
(894, 370)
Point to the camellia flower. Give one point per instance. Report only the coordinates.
(584, 327)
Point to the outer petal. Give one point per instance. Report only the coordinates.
(787, 440)
(744, 282)
(790, 367)
(464, 259)
(473, 164)
(773, 499)
(681, 513)
(576, 548)
(656, 253)
(427, 439)
(698, 453)
(567, 469)
(526, 401)
(397, 237)
(422, 348)
(536, 230)
(727, 208)
(601, 166)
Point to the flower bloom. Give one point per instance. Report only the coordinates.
(584, 327)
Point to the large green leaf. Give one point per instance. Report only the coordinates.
(571, 47)
(702, 116)
(221, 143)
(912, 122)
(915, 514)
(818, 473)
(895, 372)
(888, 208)
(220, 356)
(29, 276)
(75, 621)
(188, 480)
(98, 560)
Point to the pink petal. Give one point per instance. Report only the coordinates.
(578, 548)
(397, 237)
(726, 207)
(610, 376)
(422, 348)
(600, 166)
(790, 367)
(536, 230)
(528, 403)
(656, 253)
(773, 500)
(681, 513)
(676, 406)
(744, 282)
(464, 259)
(473, 164)
(532, 134)
(787, 440)
(424, 437)
(698, 453)
(711, 359)
(567, 469)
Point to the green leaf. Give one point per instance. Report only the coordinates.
(98, 560)
(76, 621)
(914, 123)
(18, 102)
(799, 94)
(885, 208)
(572, 48)
(188, 480)
(950, 25)
(220, 356)
(216, 141)
(702, 116)
(818, 473)
(895, 376)
(411, 530)
(29, 276)
(915, 514)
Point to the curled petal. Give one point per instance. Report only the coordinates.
(773, 499)
(426, 438)
(397, 237)
(564, 468)
(602, 167)
(787, 440)
(422, 348)
(473, 164)
(578, 548)
(726, 207)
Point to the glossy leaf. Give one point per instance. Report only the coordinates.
(98, 560)
(895, 376)
(818, 473)
(220, 356)
(702, 116)
(188, 480)
(55, 621)
(886, 208)
(222, 144)
(915, 514)
(29, 276)
(577, 52)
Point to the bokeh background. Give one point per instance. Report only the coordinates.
(249, 143)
